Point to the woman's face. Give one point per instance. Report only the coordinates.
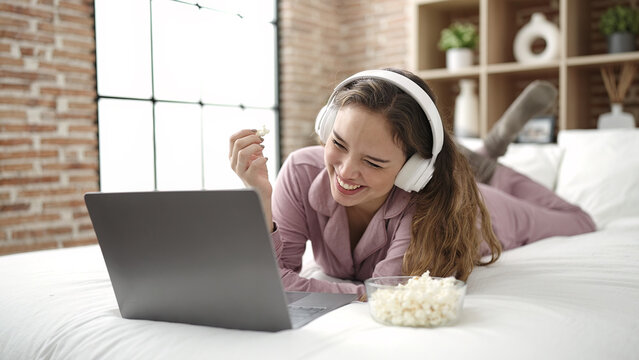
(362, 158)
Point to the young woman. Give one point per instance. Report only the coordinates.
(390, 193)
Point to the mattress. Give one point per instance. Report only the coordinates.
(560, 298)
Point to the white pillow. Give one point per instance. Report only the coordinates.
(600, 172)
(539, 162)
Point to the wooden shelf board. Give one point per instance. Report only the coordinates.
(445, 74)
(515, 67)
(602, 59)
(447, 4)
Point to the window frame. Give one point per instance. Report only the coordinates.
(154, 101)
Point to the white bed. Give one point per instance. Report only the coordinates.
(559, 298)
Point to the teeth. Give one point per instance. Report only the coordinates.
(347, 186)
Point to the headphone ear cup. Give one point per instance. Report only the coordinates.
(324, 121)
(415, 174)
(319, 119)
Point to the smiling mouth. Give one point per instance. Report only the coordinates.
(347, 186)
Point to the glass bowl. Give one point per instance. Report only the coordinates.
(421, 302)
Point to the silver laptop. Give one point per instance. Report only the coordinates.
(198, 257)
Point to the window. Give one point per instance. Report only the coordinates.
(175, 80)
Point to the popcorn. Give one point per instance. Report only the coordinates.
(422, 301)
(263, 131)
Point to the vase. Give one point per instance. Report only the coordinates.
(538, 27)
(621, 42)
(616, 118)
(458, 58)
(466, 110)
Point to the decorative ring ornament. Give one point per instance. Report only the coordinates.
(538, 27)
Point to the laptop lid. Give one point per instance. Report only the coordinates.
(198, 257)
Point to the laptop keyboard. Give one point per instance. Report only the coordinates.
(293, 296)
(302, 312)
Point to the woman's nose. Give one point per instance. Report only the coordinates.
(350, 168)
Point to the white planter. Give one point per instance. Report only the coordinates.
(458, 58)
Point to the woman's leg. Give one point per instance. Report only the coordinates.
(523, 211)
(537, 97)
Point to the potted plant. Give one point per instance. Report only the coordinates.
(459, 40)
(620, 24)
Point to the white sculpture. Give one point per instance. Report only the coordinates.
(538, 27)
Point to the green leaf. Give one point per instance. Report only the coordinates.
(618, 19)
(459, 35)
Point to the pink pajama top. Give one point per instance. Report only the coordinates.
(304, 209)
(521, 211)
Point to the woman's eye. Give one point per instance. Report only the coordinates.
(338, 144)
(373, 165)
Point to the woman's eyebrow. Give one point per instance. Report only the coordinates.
(377, 159)
(339, 138)
(336, 135)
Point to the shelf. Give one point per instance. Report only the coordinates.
(447, 4)
(519, 68)
(602, 59)
(500, 78)
(514, 68)
(445, 74)
(431, 18)
(502, 20)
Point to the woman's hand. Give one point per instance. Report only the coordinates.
(249, 163)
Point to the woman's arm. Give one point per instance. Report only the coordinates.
(249, 163)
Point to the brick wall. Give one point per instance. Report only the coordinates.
(321, 43)
(374, 35)
(48, 131)
(309, 37)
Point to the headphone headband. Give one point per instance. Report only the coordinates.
(417, 171)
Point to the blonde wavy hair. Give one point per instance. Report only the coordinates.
(451, 220)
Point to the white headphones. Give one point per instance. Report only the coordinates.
(417, 171)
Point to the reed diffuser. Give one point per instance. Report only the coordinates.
(617, 89)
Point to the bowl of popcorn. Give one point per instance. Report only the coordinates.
(417, 301)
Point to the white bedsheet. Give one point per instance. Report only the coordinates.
(560, 298)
